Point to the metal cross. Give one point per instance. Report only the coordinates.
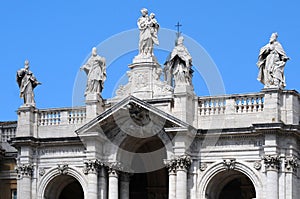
(178, 25)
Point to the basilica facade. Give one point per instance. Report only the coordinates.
(156, 139)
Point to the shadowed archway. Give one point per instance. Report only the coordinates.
(230, 185)
(64, 187)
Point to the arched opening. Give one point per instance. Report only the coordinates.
(64, 187)
(150, 177)
(230, 185)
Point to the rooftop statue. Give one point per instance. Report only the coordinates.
(148, 27)
(271, 61)
(27, 82)
(178, 65)
(95, 69)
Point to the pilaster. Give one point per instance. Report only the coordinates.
(24, 181)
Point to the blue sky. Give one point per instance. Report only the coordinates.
(57, 36)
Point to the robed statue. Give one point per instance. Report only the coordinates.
(271, 62)
(148, 27)
(178, 65)
(95, 68)
(27, 82)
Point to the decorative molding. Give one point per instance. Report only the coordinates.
(291, 163)
(42, 171)
(63, 168)
(92, 166)
(24, 170)
(114, 168)
(183, 162)
(203, 166)
(229, 164)
(171, 166)
(271, 162)
(257, 165)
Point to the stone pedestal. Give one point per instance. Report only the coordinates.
(26, 121)
(272, 104)
(94, 105)
(144, 80)
(184, 103)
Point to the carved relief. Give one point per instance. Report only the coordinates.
(183, 162)
(92, 166)
(257, 165)
(271, 162)
(291, 163)
(63, 169)
(42, 171)
(203, 166)
(229, 164)
(24, 170)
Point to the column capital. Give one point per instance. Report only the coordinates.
(114, 168)
(92, 166)
(171, 166)
(24, 170)
(291, 163)
(271, 162)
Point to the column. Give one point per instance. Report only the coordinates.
(172, 183)
(171, 166)
(113, 182)
(124, 190)
(91, 169)
(272, 166)
(182, 165)
(102, 183)
(24, 172)
(290, 168)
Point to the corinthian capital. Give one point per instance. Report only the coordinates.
(24, 170)
(291, 163)
(92, 166)
(271, 162)
(183, 162)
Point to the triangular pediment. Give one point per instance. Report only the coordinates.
(132, 113)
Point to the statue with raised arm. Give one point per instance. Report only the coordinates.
(95, 68)
(27, 82)
(148, 27)
(178, 65)
(271, 62)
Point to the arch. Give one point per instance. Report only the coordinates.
(53, 173)
(116, 148)
(218, 168)
(146, 163)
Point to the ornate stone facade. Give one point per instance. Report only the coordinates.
(158, 140)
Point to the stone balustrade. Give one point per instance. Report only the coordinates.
(243, 110)
(213, 112)
(54, 117)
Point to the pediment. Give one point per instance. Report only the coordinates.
(133, 115)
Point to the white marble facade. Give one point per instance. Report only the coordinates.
(156, 141)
